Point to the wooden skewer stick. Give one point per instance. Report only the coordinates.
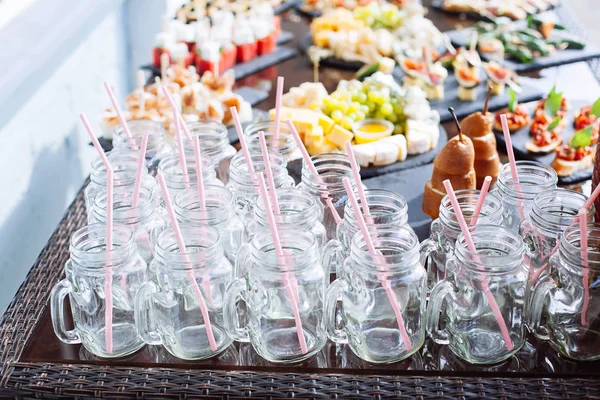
(487, 99)
(460, 134)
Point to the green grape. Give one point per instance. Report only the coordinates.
(398, 109)
(398, 129)
(360, 116)
(386, 109)
(352, 116)
(343, 107)
(326, 109)
(364, 109)
(347, 123)
(330, 102)
(354, 107)
(337, 116)
(372, 106)
(360, 97)
(379, 115)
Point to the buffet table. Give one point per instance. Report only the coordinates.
(35, 364)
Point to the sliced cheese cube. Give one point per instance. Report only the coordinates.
(321, 147)
(385, 153)
(339, 136)
(313, 135)
(364, 154)
(326, 123)
(400, 142)
(418, 142)
(466, 94)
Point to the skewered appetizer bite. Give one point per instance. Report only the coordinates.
(548, 123)
(578, 155)
(517, 114)
(429, 77)
(498, 76)
(514, 9)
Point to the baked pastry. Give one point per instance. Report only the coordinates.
(478, 127)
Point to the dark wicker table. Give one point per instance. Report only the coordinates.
(35, 364)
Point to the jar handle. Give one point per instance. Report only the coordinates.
(541, 291)
(144, 314)
(531, 240)
(331, 310)
(330, 259)
(231, 320)
(437, 299)
(427, 247)
(242, 257)
(57, 304)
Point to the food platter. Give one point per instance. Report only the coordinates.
(439, 5)
(562, 57)
(412, 161)
(520, 138)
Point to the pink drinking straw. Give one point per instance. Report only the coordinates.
(391, 295)
(584, 261)
(199, 173)
(186, 257)
(140, 168)
(484, 190)
(269, 172)
(115, 104)
(242, 138)
(509, 149)
(311, 167)
(176, 113)
(181, 150)
(592, 198)
(278, 97)
(108, 331)
(471, 245)
(358, 181)
(282, 259)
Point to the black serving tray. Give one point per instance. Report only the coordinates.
(438, 5)
(520, 138)
(561, 57)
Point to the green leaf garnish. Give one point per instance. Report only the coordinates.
(554, 123)
(596, 108)
(512, 100)
(553, 102)
(582, 138)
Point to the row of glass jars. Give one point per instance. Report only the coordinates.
(515, 204)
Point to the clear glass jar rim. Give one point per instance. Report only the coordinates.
(388, 203)
(491, 210)
(93, 236)
(220, 204)
(306, 214)
(544, 212)
(125, 210)
(332, 168)
(570, 247)
(402, 239)
(204, 239)
(263, 250)
(534, 178)
(491, 264)
(238, 169)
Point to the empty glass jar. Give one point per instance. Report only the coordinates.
(147, 220)
(91, 273)
(299, 210)
(332, 169)
(284, 146)
(220, 213)
(284, 297)
(382, 314)
(566, 299)
(517, 198)
(124, 173)
(157, 147)
(183, 308)
(483, 306)
(387, 210)
(445, 230)
(214, 142)
(170, 168)
(244, 186)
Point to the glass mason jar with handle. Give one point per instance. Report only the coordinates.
(517, 198)
(284, 146)
(382, 314)
(299, 210)
(214, 142)
(170, 168)
(244, 186)
(168, 311)
(565, 299)
(284, 298)
(87, 281)
(124, 173)
(157, 147)
(445, 230)
(483, 306)
(220, 213)
(147, 220)
(332, 169)
(387, 210)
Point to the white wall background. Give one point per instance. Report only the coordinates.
(44, 151)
